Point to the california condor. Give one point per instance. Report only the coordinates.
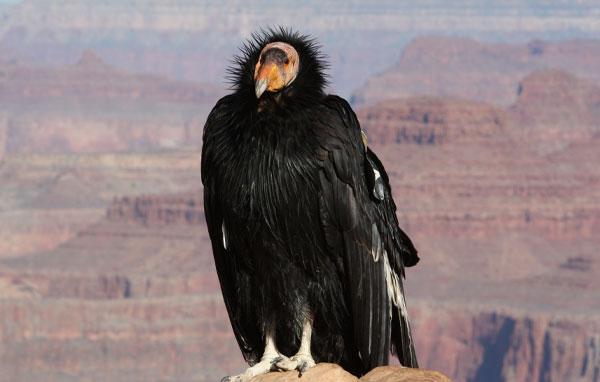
(304, 233)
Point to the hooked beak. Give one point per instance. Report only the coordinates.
(260, 87)
(268, 78)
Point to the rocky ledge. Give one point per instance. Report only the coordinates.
(327, 372)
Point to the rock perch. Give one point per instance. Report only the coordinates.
(328, 372)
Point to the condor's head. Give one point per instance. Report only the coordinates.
(279, 68)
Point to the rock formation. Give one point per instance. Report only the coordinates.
(65, 193)
(108, 109)
(326, 372)
(559, 104)
(158, 210)
(402, 374)
(429, 121)
(469, 69)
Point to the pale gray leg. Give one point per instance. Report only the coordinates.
(303, 359)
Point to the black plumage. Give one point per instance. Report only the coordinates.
(302, 221)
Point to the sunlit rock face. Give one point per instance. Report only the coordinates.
(326, 372)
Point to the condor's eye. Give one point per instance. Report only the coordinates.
(287, 61)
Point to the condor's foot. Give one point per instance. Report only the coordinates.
(300, 362)
(265, 365)
(303, 360)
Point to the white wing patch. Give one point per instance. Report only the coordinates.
(377, 174)
(225, 242)
(363, 135)
(378, 188)
(393, 286)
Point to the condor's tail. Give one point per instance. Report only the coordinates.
(402, 342)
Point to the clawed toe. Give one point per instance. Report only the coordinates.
(286, 364)
(300, 362)
(267, 364)
(304, 364)
(233, 378)
(276, 361)
(302, 367)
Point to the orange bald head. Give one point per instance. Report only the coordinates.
(276, 68)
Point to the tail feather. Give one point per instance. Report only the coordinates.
(402, 342)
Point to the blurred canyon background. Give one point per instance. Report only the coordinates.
(486, 115)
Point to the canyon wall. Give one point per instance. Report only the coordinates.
(490, 344)
(473, 70)
(92, 107)
(106, 271)
(489, 301)
(424, 120)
